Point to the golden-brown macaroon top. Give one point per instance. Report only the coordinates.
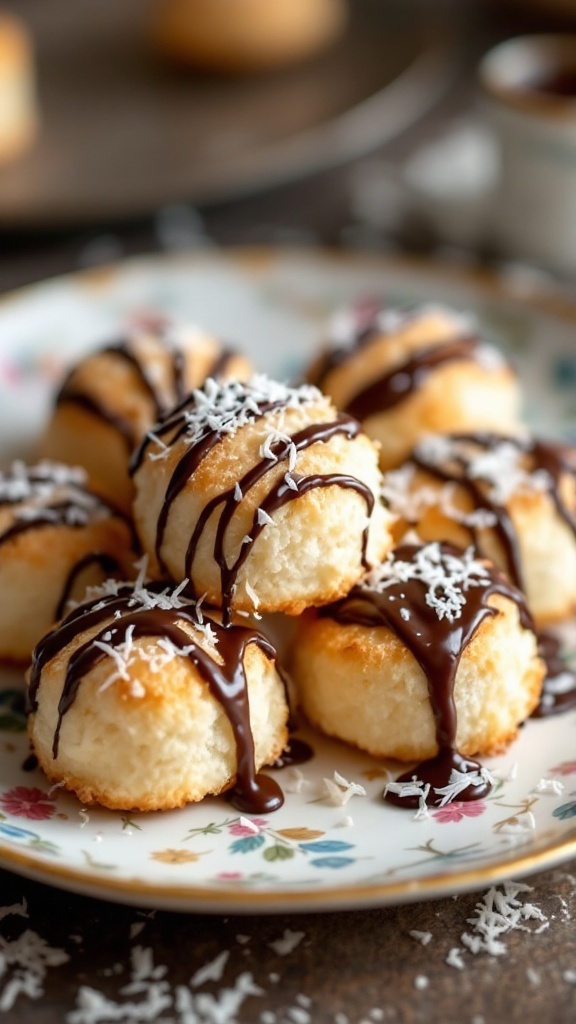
(57, 537)
(113, 395)
(431, 658)
(406, 372)
(262, 495)
(140, 699)
(514, 498)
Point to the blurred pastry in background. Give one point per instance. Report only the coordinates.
(113, 396)
(18, 110)
(514, 499)
(245, 36)
(408, 372)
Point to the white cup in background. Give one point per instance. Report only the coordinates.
(529, 90)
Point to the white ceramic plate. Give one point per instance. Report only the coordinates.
(310, 855)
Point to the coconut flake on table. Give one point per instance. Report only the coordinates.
(459, 781)
(287, 943)
(24, 961)
(422, 937)
(500, 911)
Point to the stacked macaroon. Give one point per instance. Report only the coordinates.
(433, 658)
(250, 497)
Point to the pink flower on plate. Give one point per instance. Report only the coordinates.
(9, 373)
(27, 802)
(229, 876)
(566, 768)
(459, 809)
(247, 827)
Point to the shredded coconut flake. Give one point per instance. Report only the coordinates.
(521, 824)
(498, 912)
(211, 971)
(502, 466)
(454, 959)
(338, 791)
(263, 518)
(51, 493)
(24, 962)
(226, 406)
(445, 576)
(551, 786)
(252, 594)
(287, 944)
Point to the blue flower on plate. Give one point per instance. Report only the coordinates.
(14, 832)
(565, 810)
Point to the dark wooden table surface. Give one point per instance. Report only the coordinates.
(356, 967)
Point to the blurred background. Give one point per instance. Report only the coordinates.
(153, 125)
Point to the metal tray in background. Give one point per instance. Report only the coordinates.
(121, 134)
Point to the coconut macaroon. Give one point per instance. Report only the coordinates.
(406, 372)
(515, 499)
(262, 495)
(139, 701)
(56, 538)
(431, 658)
(114, 395)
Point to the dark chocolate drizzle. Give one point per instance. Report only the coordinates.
(173, 427)
(402, 381)
(542, 455)
(437, 645)
(109, 565)
(161, 402)
(366, 330)
(555, 699)
(296, 752)
(30, 763)
(253, 793)
(393, 386)
(61, 513)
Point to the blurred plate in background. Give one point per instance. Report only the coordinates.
(121, 134)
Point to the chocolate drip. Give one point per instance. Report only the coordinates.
(543, 456)
(437, 645)
(297, 752)
(50, 515)
(161, 403)
(559, 689)
(399, 383)
(70, 396)
(253, 793)
(279, 495)
(367, 328)
(221, 364)
(110, 566)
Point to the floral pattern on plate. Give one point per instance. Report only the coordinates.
(314, 852)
